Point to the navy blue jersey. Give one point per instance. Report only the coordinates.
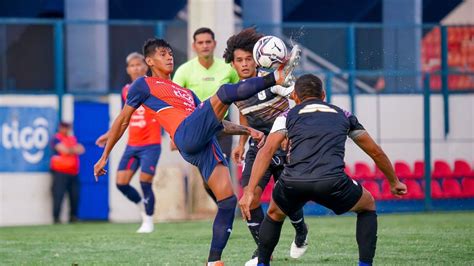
(263, 108)
(317, 132)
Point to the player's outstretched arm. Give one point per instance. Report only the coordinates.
(368, 145)
(119, 126)
(235, 129)
(102, 140)
(261, 164)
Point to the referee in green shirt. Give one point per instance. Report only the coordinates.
(206, 73)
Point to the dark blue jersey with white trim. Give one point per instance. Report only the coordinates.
(317, 132)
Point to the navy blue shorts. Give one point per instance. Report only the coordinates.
(144, 156)
(196, 139)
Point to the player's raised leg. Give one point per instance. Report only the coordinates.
(229, 93)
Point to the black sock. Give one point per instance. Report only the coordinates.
(297, 220)
(269, 236)
(366, 235)
(254, 223)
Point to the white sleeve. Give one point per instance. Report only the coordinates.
(279, 125)
(282, 91)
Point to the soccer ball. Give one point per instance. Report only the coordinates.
(269, 52)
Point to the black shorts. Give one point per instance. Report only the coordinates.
(275, 169)
(338, 194)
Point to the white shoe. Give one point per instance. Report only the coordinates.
(284, 73)
(252, 262)
(147, 224)
(296, 252)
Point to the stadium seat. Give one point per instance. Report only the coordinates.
(451, 188)
(414, 190)
(362, 171)
(436, 191)
(419, 170)
(386, 194)
(373, 188)
(462, 169)
(378, 174)
(402, 170)
(441, 169)
(468, 187)
(267, 192)
(347, 170)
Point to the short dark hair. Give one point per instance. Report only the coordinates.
(203, 30)
(150, 46)
(308, 86)
(65, 124)
(244, 40)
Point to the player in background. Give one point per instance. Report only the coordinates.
(259, 112)
(317, 133)
(193, 125)
(142, 151)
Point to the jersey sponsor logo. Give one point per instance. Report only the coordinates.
(138, 118)
(311, 108)
(186, 96)
(209, 79)
(262, 95)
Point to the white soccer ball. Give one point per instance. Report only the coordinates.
(269, 52)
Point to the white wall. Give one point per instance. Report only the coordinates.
(398, 126)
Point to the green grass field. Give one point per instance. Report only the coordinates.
(407, 239)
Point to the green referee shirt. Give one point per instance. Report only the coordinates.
(204, 82)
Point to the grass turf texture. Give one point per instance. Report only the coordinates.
(414, 239)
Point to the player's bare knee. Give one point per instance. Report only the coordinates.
(275, 213)
(144, 177)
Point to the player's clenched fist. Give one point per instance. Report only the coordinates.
(99, 168)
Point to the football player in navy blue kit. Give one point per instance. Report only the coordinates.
(317, 132)
(259, 112)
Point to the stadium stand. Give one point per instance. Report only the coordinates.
(441, 170)
(460, 56)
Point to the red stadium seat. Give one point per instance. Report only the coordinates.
(462, 169)
(419, 170)
(267, 192)
(468, 187)
(451, 188)
(362, 171)
(378, 174)
(347, 170)
(441, 170)
(414, 190)
(402, 170)
(386, 194)
(436, 191)
(373, 188)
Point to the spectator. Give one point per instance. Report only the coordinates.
(65, 171)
